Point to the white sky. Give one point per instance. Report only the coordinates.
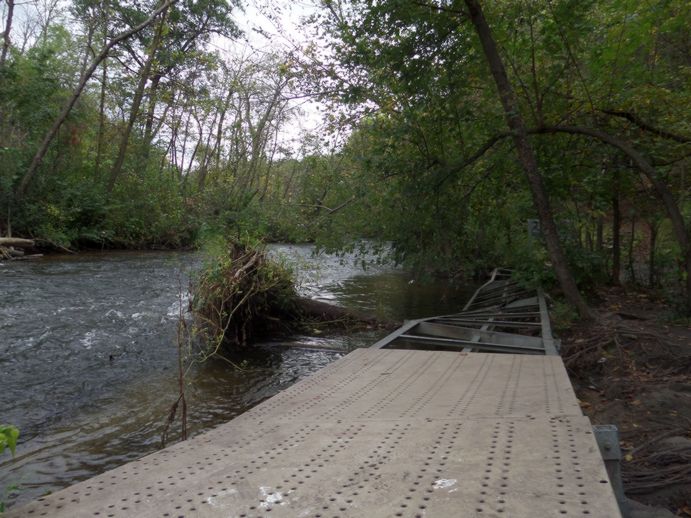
(271, 26)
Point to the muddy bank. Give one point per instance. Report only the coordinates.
(632, 368)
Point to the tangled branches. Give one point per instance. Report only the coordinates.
(633, 369)
(619, 346)
(655, 467)
(241, 296)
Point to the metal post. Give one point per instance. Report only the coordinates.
(607, 437)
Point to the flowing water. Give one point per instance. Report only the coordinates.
(88, 354)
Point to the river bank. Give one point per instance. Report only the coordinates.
(632, 367)
(33, 248)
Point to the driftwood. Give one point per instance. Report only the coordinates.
(11, 248)
(27, 257)
(16, 242)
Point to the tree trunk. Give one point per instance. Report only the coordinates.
(101, 118)
(151, 109)
(6, 34)
(289, 183)
(102, 98)
(632, 270)
(136, 104)
(616, 232)
(527, 159)
(651, 256)
(6, 45)
(599, 234)
(16, 242)
(208, 152)
(48, 139)
(88, 50)
(681, 233)
(215, 153)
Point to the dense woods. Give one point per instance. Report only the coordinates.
(552, 137)
(448, 125)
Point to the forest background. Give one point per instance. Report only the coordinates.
(157, 125)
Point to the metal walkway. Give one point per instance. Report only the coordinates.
(501, 316)
(379, 433)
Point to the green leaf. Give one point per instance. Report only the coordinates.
(8, 438)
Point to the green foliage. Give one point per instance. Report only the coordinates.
(421, 78)
(68, 203)
(411, 87)
(241, 294)
(562, 316)
(8, 438)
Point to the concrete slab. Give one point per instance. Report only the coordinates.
(379, 433)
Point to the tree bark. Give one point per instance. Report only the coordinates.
(651, 257)
(151, 110)
(599, 234)
(632, 117)
(616, 232)
(527, 159)
(208, 152)
(101, 118)
(17, 242)
(50, 135)
(6, 42)
(632, 241)
(102, 97)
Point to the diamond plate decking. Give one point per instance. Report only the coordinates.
(379, 433)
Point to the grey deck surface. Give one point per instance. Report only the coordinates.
(379, 433)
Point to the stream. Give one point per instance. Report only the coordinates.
(88, 355)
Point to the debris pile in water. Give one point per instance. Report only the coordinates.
(243, 295)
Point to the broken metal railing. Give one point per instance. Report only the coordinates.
(501, 316)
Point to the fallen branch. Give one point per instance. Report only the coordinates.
(17, 242)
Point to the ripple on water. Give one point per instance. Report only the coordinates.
(88, 339)
(88, 357)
